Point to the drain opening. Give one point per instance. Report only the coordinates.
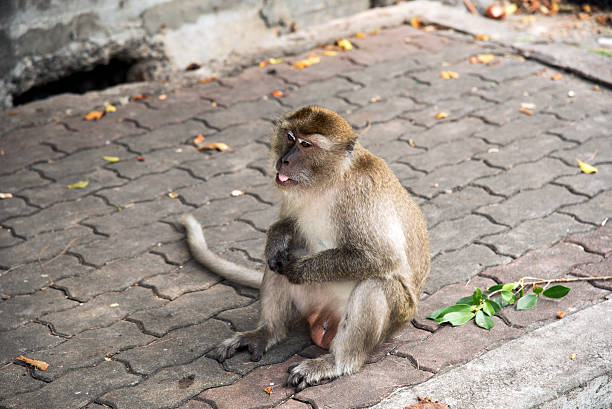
(103, 76)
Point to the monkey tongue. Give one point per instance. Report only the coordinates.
(283, 178)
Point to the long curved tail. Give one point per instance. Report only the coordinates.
(220, 266)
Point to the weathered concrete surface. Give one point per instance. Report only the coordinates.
(99, 282)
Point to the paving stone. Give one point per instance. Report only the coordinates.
(85, 384)
(448, 131)
(595, 241)
(370, 55)
(554, 262)
(596, 210)
(116, 276)
(512, 88)
(147, 187)
(58, 192)
(461, 265)
(452, 235)
(127, 243)
(89, 349)
(30, 337)
(445, 295)
(241, 113)
(45, 246)
(195, 404)
(137, 214)
(17, 181)
(450, 178)
(510, 67)
(595, 151)
(453, 51)
(155, 162)
(244, 318)
(266, 193)
(261, 219)
(222, 186)
(404, 173)
(188, 309)
(330, 66)
(437, 91)
(581, 131)
(530, 204)
(449, 153)
(146, 117)
(293, 404)
(534, 234)
(169, 136)
(456, 345)
(99, 133)
(381, 90)
(526, 176)
(7, 239)
(58, 217)
(456, 205)
(171, 386)
(24, 147)
(178, 106)
(523, 150)
(589, 184)
(390, 69)
(184, 279)
(366, 387)
(317, 93)
(15, 206)
(177, 347)
(15, 380)
(396, 151)
(103, 310)
(21, 309)
(382, 133)
(260, 84)
(572, 111)
(249, 391)
(379, 111)
(82, 162)
(218, 212)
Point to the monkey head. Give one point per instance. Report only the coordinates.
(309, 146)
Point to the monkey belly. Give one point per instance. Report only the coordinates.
(323, 327)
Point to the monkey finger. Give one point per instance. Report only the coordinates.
(302, 385)
(256, 352)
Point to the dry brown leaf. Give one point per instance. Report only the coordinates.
(193, 66)
(345, 44)
(360, 35)
(572, 356)
(110, 108)
(140, 159)
(140, 96)
(236, 193)
(427, 403)
(219, 146)
(205, 80)
(263, 64)
(495, 11)
(173, 195)
(375, 99)
(14, 112)
(268, 390)
(79, 185)
(411, 143)
(448, 75)
(311, 60)
(525, 111)
(485, 58)
(528, 105)
(482, 37)
(162, 97)
(528, 19)
(416, 22)
(374, 32)
(585, 167)
(198, 139)
(560, 314)
(441, 115)
(330, 53)
(556, 76)
(6, 195)
(34, 362)
(278, 94)
(94, 115)
(587, 8)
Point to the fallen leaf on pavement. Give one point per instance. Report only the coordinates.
(173, 195)
(112, 159)
(219, 146)
(193, 66)
(572, 355)
(527, 19)
(416, 22)
(140, 159)
(441, 115)
(484, 58)
(278, 94)
(6, 195)
(585, 167)
(427, 403)
(268, 390)
(374, 32)
(236, 193)
(110, 108)
(78, 185)
(360, 35)
(275, 61)
(525, 111)
(311, 60)
(14, 112)
(141, 96)
(560, 314)
(449, 74)
(94, 115)
(556, 76)
(205, 80)
(330, 53)
(495, 11)
(345, 44)
(528, 105)
(482, 37)
(162, 97)
(198, 139)
(34, 362)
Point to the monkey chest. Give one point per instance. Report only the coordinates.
(316, 228)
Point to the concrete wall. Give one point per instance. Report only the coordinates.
(43, 40)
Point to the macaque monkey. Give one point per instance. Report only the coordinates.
(348, 255)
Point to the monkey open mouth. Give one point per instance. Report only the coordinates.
(284, 180)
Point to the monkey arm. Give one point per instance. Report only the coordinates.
(282, 240)
(344, 263)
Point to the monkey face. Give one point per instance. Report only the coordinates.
(308, 146)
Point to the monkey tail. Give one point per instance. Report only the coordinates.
(220, 266)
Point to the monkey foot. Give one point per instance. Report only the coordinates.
(311, 372)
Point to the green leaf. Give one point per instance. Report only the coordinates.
(465, 300)
(527, 302)
(509, 286)
(457, 318)
(600, 51)
(112, 159)
(488, 309)
(484, 321)
(500, 301)
(537, 289)
(438, 314)
(493, 304)
(508, 296)
(78, 185)
(557, 291)
(495, 287)
(477, 296)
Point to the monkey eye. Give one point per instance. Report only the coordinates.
(290, 136)
(306, 144)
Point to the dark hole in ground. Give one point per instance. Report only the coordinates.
(98, 78)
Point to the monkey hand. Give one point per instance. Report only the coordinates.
(279, 260)
(291, 270)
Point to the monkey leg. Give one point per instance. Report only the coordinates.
(364, 325)
(277, 315)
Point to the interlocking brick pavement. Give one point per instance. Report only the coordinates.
(98, 282)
